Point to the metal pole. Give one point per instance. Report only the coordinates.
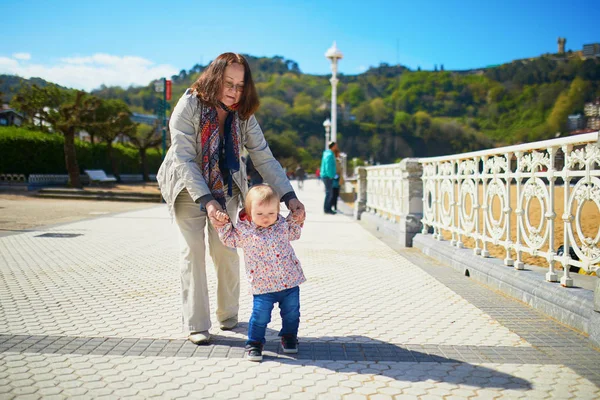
(334, 82)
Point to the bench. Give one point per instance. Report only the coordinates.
(99, 176)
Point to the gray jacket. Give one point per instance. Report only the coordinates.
(181, 167)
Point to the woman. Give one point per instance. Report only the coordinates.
(202, 173)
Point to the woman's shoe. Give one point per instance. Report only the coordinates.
(199, 337)
(229, 323)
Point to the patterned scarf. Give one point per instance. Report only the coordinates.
(211, 145)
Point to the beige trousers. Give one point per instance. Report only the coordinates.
(192, 224)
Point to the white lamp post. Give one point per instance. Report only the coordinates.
(327, 125)
(334, 55)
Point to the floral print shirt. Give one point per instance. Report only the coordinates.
(271, 264)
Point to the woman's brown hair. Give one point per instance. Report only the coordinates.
(209, 85)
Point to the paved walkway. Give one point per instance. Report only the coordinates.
(91, 309)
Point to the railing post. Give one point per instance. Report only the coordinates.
(361, 199)
(551, 276)
(508, 260)
(519, 212)
(437, 231)
(412, 200)
(484, 208)
(595, 318)
(476, 206)
(567, 218)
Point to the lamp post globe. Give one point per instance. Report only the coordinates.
(334, 54)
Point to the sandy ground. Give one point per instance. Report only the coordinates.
(21, 211)
(590, 223)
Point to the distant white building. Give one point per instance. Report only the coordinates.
(591, 50)
(575, 122)
(592, 112)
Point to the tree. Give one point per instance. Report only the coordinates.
(36, 103)
(401, 121)
(568, 102)
(145, 137)
(110, 119)
(71, 117)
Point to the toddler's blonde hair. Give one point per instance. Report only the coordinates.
(263, 194)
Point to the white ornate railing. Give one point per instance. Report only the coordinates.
(459, 191)
(384, 191)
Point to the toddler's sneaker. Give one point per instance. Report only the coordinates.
(254, 352)
(289, 344)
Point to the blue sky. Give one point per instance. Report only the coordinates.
(86, 43)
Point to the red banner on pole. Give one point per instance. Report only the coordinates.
(168, 89)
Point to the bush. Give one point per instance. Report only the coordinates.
(23, 151)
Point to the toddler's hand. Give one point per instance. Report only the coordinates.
(297, 218)
(221, 216)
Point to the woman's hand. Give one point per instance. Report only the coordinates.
(297, 209)
(215, 214)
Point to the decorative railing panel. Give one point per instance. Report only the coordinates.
(384, 191)
(469, 195)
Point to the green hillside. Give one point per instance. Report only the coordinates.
(391, 112)
(10, 85)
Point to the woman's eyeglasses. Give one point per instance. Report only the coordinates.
(237, 88)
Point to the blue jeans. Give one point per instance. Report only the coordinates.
(328, 194)
(289, 306)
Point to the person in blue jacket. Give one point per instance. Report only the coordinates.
(328, 172)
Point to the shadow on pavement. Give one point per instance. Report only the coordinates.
(364, 355)
(355, 354)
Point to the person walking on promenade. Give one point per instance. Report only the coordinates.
(202, 173)
(327, 176)
(254, 177)
(300, 176)
(338, 180)
(272, 267)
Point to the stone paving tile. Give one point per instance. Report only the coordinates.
(232, 348)
(98, 315)
(125, 293)
(229, 378)
(553, 343)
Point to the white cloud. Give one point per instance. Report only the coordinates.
(362, 68)
(6, 62)
(89, 72)
(22, 56)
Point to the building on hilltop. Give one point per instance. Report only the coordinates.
(575, 122)
(561, 45)
(591, 50)
(592, 112)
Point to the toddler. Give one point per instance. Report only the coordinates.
(272, 267)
